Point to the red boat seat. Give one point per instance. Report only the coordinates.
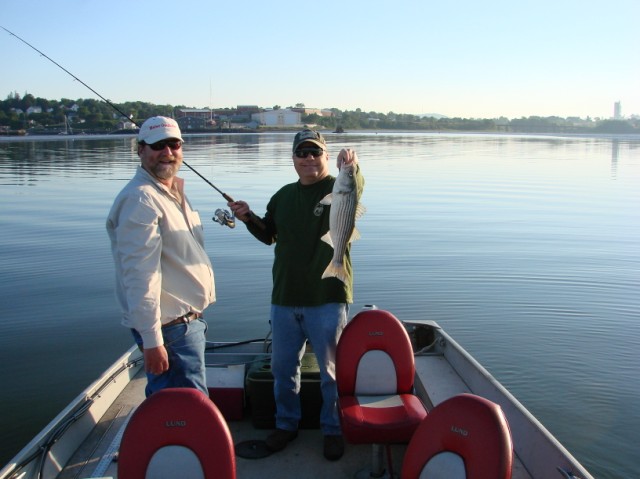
(177, 432)
(465, 436)
(375, 372)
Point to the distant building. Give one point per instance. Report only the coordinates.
(283, 117)
(313, 111)
(194, 112)
(617, 111)
(206, 112)
(241, 114)
(250, 109)
(187, 123)
(125, 125)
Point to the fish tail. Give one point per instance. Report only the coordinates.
(336, 270)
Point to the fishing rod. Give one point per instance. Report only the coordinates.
(221, 216)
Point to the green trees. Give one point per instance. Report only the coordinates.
(616, 126)
(23, 112)
(83, 114)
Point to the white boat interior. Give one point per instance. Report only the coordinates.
(83, 441)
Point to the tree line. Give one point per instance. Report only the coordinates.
(83, 114)
(91, 115)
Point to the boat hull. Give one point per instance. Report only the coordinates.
(83, 439)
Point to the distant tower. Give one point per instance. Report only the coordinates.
(617, 111)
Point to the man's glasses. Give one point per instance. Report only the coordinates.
(161, 145)
(305, 152)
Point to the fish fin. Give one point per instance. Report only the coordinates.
(327, 238)
(355, 235)
(360, 210)
(326, 200)
(336, 270)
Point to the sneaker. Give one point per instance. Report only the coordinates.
(279, 439)
(333, 447)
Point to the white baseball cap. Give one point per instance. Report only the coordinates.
(159, 128)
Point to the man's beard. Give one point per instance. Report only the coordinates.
(165, 171)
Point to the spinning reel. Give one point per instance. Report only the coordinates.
(224, 218)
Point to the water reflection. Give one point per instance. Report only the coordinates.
(615, 153)
(523, 247)
(26, 162)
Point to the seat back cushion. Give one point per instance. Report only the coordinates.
(177, 421)
(376, 374)
(470, 426)
(445, 465)
(380, 331)
(170, 462)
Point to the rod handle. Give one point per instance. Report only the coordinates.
(253, 218)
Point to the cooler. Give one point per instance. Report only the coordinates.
(226, 389)
(259, 385)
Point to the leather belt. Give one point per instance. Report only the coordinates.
(187, 318)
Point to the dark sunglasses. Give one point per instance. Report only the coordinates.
(161, 145)
(305, 152)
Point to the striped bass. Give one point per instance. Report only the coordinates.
(342, 219)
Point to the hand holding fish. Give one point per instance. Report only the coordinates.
(347, 156)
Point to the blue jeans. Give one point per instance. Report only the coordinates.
(185, 345)
(291, 327)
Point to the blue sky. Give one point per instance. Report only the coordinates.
(461, 58)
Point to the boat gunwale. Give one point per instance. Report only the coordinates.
(100, 394)
(78, 417)
(522, 422)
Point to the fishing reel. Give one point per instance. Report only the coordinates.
(224, 218)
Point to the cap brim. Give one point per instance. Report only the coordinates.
(315, 142)
(159, 136)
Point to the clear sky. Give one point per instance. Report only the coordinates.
(460, 58)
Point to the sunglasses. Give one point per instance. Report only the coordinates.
(161, 145)
(305, 152)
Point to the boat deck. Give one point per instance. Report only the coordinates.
(302, 458)
(443, 370)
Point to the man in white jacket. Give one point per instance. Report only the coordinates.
(164, 278)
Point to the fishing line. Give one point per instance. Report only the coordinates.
(68, 72)
(221, 216)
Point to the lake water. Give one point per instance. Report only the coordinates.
(526, 249)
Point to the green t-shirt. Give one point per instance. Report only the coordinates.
(295, 221)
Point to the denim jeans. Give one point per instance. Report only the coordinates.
(185, 345)
(291, 327)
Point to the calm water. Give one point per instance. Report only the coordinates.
(525, 248)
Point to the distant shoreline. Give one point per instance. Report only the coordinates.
(123, 134)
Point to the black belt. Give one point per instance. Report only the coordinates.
(187, 318)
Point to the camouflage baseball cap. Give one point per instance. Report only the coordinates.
(311, 136)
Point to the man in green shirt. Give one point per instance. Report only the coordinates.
(303, 305)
